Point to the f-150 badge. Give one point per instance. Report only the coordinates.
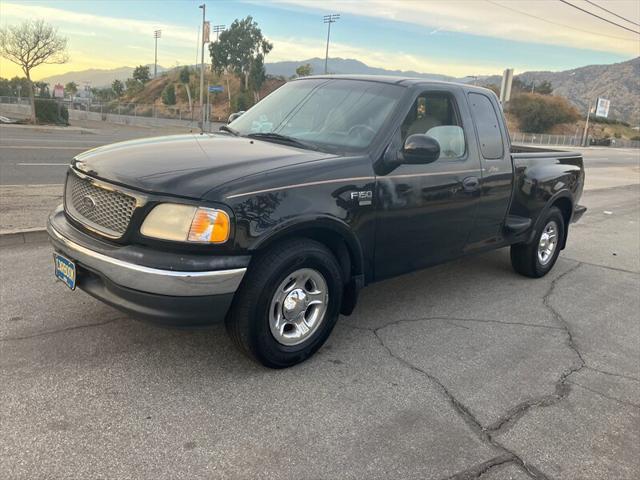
(364, 197)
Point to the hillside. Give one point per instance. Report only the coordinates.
(619, 82)
(96, 77)
(344, 66)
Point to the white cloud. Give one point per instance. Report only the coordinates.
(177, 33)
(497, 18)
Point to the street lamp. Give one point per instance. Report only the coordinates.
(156, 34)
(329, 19)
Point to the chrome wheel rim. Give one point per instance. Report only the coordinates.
(298, 306)
(548, 242)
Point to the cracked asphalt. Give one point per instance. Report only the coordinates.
(461, 371)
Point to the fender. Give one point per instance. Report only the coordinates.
(317, 222)
(543, 213)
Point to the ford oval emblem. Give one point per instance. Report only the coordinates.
(88, 203)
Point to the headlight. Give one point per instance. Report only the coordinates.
(185, 223)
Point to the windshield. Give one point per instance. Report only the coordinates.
(334, 114)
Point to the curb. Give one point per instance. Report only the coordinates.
(21, 237)
(44, 128)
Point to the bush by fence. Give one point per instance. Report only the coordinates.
(538, 113)
(48, 111)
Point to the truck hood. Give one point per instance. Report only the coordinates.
(187, 165)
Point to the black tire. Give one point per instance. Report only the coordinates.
(248, 319)
(524, 256)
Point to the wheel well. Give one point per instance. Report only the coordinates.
(565, 207)
(347, 256)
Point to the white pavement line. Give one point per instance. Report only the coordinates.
(35, 185)
(39, 147)
(41, 164)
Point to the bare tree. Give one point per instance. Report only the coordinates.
(31, 44)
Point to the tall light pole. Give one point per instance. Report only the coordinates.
(156, 34)
(217, 29)
(329, 19)
(204, 40)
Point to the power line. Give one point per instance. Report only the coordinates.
(612, 13)
(598, 16)
(559, 24)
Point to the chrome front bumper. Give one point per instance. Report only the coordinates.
(173, 283)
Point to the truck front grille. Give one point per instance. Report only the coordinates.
(98, 206)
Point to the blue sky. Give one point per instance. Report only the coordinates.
(456, 37)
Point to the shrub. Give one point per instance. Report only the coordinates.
(47, 112)
(169, 95)
(538, 113)
(241, 102)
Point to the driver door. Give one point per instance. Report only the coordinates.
(426, 212)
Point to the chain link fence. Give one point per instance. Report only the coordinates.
(569, 141)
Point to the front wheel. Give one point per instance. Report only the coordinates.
(537, 258)
(288, 303)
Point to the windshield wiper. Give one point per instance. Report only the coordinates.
(226, 128)
(283, 139)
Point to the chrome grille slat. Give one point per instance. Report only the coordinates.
(105, 210)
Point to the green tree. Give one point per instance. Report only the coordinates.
(31, 44)
(538, 113)
(185, 75)
(118, 88)
(133, 86)
(71, 88)
(544, 88)
(238, 48)
(169, 95)
(304, 70)
(42, 89)
(257, 76)
(142, 74)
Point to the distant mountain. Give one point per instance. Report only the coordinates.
(344, 66)
(96, 77)
(618, 82)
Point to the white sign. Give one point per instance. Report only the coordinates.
(602, 107)
(58, 91)
(206, 31)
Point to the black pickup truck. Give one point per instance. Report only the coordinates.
(274, 223)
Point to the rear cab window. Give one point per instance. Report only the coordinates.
(487, 126)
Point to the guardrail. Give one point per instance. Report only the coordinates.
(570, 141)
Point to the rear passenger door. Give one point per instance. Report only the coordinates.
(497, 171)
(425, 212)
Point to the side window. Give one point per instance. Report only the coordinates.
(435, 114)
(487, 125)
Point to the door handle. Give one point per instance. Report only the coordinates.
(471, 184)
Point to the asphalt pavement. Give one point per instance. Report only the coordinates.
(40, 155)
(458, 371)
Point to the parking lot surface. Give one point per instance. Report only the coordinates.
(459, 371)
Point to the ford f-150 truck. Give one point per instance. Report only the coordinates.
(275, 223)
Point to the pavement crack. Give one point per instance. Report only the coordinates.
(461, 409)
(478, 470)
(60, 330)
(562, 387)
(613, 374)
(604, 395)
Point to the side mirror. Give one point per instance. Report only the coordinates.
(420, 149)
(233, 116)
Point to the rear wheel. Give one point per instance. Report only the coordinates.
(288, 303)
(537, 258)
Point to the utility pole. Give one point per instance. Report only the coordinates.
(156, 34)
(204, 39)
(329, 19)
(585, 135)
